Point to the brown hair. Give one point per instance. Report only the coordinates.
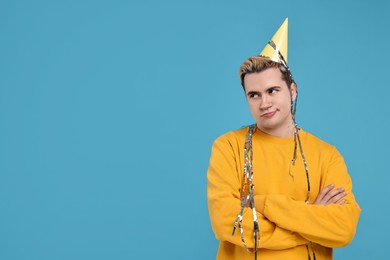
(256, 64)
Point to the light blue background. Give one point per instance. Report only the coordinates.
(108, 110)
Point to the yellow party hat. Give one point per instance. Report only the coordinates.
(277, 46)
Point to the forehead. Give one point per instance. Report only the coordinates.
(270, 77)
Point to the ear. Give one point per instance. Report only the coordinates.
(294, 91)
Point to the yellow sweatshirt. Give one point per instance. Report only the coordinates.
(287, 224)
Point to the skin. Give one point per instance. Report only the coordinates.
(269, 100)
(330, 195)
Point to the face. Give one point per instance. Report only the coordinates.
(269, 100)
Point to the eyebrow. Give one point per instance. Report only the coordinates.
(258, 93)
(252, 92)
(273, 87)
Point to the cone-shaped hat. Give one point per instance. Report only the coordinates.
(280, 40)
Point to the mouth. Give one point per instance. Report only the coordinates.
(268, 114)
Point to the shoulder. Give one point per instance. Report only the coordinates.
(313, 142)
(232, 140)
(229, 146)
(310, 138)
(233, 136)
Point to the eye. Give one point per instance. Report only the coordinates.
(253, 95)
(273, 90)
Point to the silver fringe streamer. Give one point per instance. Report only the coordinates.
(247, 191)
(247, 194)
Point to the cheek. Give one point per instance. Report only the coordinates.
(253, 105)
(286, 98)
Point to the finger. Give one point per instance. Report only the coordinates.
(329, 196)
(323, 193)
(336, 197)
(341, 202)
(322, 196)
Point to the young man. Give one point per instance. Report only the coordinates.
(274, 189)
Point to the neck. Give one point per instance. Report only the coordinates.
(285, 132)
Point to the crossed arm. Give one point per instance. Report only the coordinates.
(328, 195)
(284, 223)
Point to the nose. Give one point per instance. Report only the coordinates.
(265, 102)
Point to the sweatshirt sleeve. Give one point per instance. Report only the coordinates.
(224, 182)
(332, 225)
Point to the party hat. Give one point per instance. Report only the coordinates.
(277, 46)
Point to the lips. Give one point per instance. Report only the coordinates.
(269, 114)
